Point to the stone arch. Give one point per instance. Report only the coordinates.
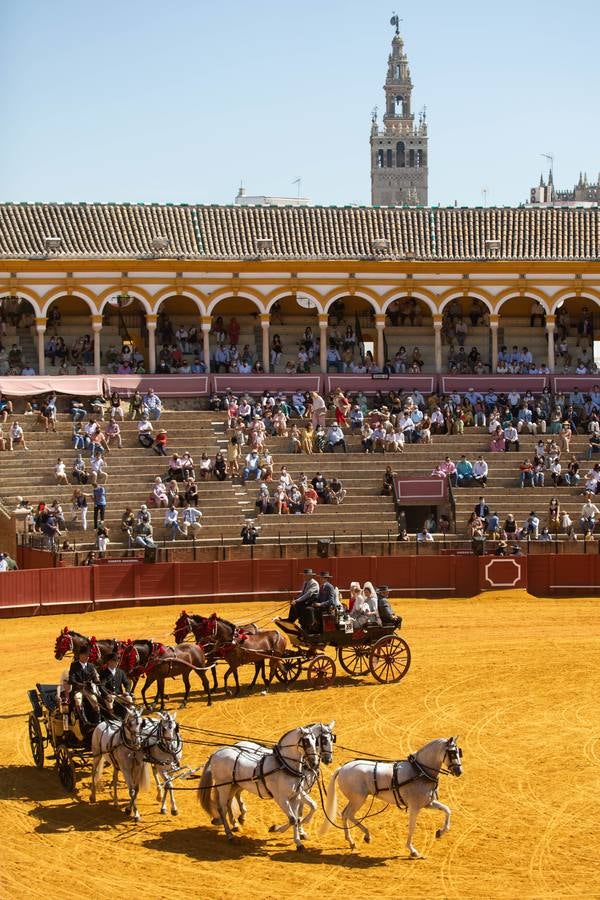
(279, 294)
(473, 295)
(567, 293)
(199, 298)
(34, 299)
(254, 298)
(512, 294)
(81, 293)
(362, 294)
(424, 296)
(139, 294)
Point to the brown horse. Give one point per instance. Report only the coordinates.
(177, 662)
(239, 648)
(189, 623)
(72, 642)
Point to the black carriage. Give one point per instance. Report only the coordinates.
(51, 726)
(372, 649)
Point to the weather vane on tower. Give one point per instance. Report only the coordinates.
(395, 20)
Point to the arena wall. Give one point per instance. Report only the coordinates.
(136, 583)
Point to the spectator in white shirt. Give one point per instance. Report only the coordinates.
(190, 517)
(97, 469)
(171, 524)
(16, 435)
(424, 536)
(480, 471)
(511, 436)
(60, 472)
(589, 514)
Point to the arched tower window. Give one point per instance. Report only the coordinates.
(421, 159)
(380, 160)
(389, 158)
(399, 105)
(411, 159)
(400, 155)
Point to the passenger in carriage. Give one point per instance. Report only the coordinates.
(301, 609)
(384, 609)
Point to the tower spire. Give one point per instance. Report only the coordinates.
(399, 171)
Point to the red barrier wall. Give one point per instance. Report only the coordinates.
(137, 583)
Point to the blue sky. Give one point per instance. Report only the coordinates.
(178, 101)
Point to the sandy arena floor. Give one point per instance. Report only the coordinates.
(515, 678)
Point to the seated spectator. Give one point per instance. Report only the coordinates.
(311, 499)
(526, 473)
(160, 442)
(60, 472)
(175, 469)
(492, 525)
(464, 472)
(387, 488)
(510, 525)
(474, 525)
(145, 430)
(593, 446)
(335, 492)
(171, 523)
(480, 471)
(205, 467)
(173, 495)
(219, 466)
(190, 491)
(531, 526)
(544, 535)
(158, 497)
(152, 404)
(424, 536)
(335, 438)
(112, 432)
(78, 472)
(143, 534)
(97, 470)
(498, 441)
(511, 437)
(136, 405)
(252, 467)
(190, 519)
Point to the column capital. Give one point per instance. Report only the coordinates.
(40, 325)
(96, 323)
(550, 323)
(494, 321)
(265, 319)
(438, 321)
(379, 320)
(206, 323)
(323, 320)
(151, 320)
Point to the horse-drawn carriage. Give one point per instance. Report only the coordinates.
(50, 725)
(374, 649)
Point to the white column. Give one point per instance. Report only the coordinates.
(550, 327)
(437, 335)
(151, 327)
(206, 325)
(323, 320)
(40, 331)
(379, 350)
(494, 330)
(265, 321)
(97, 329)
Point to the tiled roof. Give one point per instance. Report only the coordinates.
(125, 231)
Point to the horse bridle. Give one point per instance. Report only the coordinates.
(454, 754)
(303, 742)
(162, 743)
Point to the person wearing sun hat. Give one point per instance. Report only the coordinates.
(302, 607)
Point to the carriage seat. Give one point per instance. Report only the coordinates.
(48, 694)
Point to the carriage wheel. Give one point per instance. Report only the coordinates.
(321, 671)
(354, 658)
(66, 769)
(390, 659)
(288, 669)
(36, 741)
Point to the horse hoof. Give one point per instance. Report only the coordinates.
(367, 838)
(229, 837)
(272, 828)
(163, 812)
(300, 848)
(235, 827)
(439, 833)
(303, 835)
(174, 812)
(215, 821)
(352, 845)
(182, 705)
(414, 854)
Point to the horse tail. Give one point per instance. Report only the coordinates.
(330, 807)
(205, 791)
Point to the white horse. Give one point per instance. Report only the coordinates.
(121, 743)
(325, 739)
(409, 783)
(163, 746)
(278, 774)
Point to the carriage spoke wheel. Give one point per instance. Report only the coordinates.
(66, 769)
(354, 659)
(36, 740)
(390, 659)
(321, 671)
(289, 669)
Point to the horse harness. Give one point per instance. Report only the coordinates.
(395, 784)
(259, 776)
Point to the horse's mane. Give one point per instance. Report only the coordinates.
(145, 641)
(229, 624)
(77, 635)
(196, 618)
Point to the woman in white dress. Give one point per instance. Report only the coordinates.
(370, 596)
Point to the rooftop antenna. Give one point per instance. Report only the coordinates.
(298, 181)
(550, 158)
(484, 194)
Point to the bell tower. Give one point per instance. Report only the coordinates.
(399, 172)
